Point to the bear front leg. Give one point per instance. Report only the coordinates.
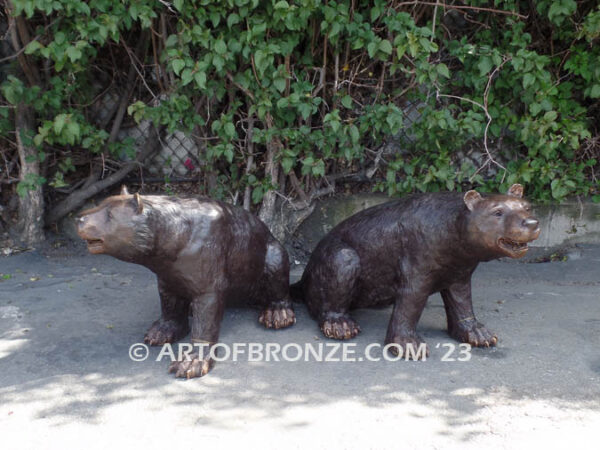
(173, 323)
(462, 323)
(402, 329)
(207, 312)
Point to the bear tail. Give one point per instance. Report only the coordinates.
(297, 292)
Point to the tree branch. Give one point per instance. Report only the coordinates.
(78, 198)
(490, 159)
(472, 8)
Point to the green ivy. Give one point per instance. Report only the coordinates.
(330, 82)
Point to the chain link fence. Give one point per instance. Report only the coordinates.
(178, 156)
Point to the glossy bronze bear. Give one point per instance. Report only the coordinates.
(204, 254)
(403, 251)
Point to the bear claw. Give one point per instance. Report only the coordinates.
(475, 334)
(165, 331)
(340, 328)
(191, 368)
(277, 317)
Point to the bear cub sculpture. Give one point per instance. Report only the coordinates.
(205, 253)
(401, 252)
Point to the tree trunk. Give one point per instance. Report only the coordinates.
(269, 202)
(31, 203)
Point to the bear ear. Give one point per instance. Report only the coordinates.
(139, 205)
(471, 199)
(516, 190)
(124, 190)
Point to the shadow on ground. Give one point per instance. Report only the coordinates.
(66, 325)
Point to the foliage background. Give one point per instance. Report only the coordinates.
(292, 100)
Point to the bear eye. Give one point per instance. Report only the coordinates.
(497, 213)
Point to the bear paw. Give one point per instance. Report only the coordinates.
(163, 331)
(408, 347)
(191, 367)
(340, 327)
(474, 333)
(277, 317)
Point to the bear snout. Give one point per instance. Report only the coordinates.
(531, 223)
(81, 223)
(86, 229)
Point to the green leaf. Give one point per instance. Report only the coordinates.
(385, 46)
(59, 123)
(442, 69)
(528, 80)
(354, 134)
(280, 84)
(215, 18)
(187, 76)
(60, 38)
(220, 47)
(228, 153)
(484, 65)
(375, 13)
(347, 101)
(32, 47)
(307, 165)
(200, 79)
(535, 108)
(261, 61)
(218, 62)
(257, 194)
(230, 129)
(595, 91)
(550, 116)
(372, 49)
(10, 94)
(318, 168)
(73, 53)
(335, 125)
(178, 65)
(38, 140)
(305, 110)
(232, 20)
(288, 163)
(560, 10)
(559, 191)
(73, 132)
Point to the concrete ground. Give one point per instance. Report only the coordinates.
(67, 382)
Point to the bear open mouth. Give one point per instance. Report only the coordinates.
(512, 247)
(95, 245)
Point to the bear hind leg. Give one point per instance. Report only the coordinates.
(278, 312)
(331, 288)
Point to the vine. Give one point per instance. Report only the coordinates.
(292, 100)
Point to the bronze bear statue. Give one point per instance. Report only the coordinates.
(401, 252)
(205, 253)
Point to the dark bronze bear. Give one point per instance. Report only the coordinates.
(204, 253)
(403, 251)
